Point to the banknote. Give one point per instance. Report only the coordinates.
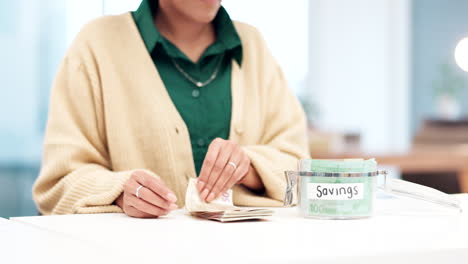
(338, 165)
(222, 209)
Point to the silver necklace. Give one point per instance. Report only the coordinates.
(199, 84)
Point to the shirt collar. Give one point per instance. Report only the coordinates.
(227, 36)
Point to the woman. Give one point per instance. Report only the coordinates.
(144, 101)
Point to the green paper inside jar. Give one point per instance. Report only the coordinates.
(337, 197)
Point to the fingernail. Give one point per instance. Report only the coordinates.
(210, 197)
(173, 207)
(204, 194)
(200, 185)
(171, 197)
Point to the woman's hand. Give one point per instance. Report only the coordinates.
(154, 197)
(225, 164)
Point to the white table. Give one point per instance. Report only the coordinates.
(24, 243)
(402, 231)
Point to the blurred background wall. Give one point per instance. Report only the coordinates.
(359, 76)
(367, 71)
(437, 28)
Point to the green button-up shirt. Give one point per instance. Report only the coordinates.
(206, 111)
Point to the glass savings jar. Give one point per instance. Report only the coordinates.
(333, 189)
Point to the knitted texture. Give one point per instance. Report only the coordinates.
(110, 115)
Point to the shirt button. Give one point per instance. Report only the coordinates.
(196, 93)
(201, 142)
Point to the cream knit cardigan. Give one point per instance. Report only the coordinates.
(110, 115)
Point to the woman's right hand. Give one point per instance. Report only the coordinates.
(155, 198)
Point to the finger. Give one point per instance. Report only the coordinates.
(218, 167)
(149, 196)
(156, 185)
(226, 175)
(208, 163)
(239, 173)
(145, 207)
(133, 212)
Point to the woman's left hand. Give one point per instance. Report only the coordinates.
(225, 165)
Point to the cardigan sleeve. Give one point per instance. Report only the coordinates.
(284, 143)
(284, 137)
(75, 176)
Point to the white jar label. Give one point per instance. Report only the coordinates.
(335, 191)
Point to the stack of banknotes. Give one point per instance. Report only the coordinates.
(221, 209)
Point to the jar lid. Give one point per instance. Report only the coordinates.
(340, 174)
